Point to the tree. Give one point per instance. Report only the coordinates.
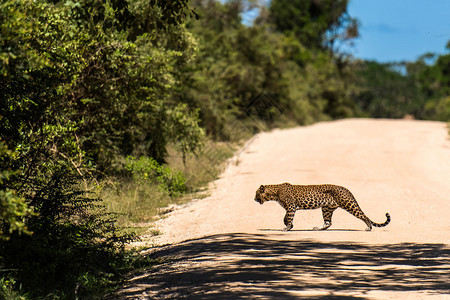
(434, 82)
(234, 64)
(81, 84)
(386, 91)
(316, 24)
(393, 90)
(238, 62)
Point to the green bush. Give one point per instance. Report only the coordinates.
(13, 208)
(439, 108)
(72, 236)
(10, 290)
(147, 170)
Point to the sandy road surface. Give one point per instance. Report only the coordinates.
(227, 246)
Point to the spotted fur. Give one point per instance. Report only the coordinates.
(327, 196)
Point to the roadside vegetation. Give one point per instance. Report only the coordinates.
(112, 110)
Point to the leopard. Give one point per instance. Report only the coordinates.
(328, 197)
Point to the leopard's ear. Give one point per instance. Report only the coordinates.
(261, 189)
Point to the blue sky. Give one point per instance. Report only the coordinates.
(400, 30)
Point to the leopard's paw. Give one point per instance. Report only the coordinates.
(287, 228)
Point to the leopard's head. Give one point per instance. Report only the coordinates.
(265, 193)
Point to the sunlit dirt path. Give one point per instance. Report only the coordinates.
(227, 246)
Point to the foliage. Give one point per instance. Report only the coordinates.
(236, 63)
(71, 237)
(440, 108)
(8, 289)
(386, 92)
(318, 24)
(227, 72)
(434, 82)
(82, 83)
(71, 234)
(13, 208)
(146, 170)
(106, 76)
(393, 90)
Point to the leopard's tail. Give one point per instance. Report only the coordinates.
(388, 220)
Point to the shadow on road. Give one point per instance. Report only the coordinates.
(309, 230)
(231, 266)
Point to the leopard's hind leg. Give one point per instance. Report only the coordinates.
(345, 199)
(355, 210)
(327, 213)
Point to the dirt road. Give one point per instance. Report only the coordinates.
(227, 246)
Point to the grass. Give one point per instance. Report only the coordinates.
(138, 204)
(206, 167)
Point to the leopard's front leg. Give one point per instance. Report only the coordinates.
(288, 220)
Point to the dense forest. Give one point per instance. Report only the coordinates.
(102, 101)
